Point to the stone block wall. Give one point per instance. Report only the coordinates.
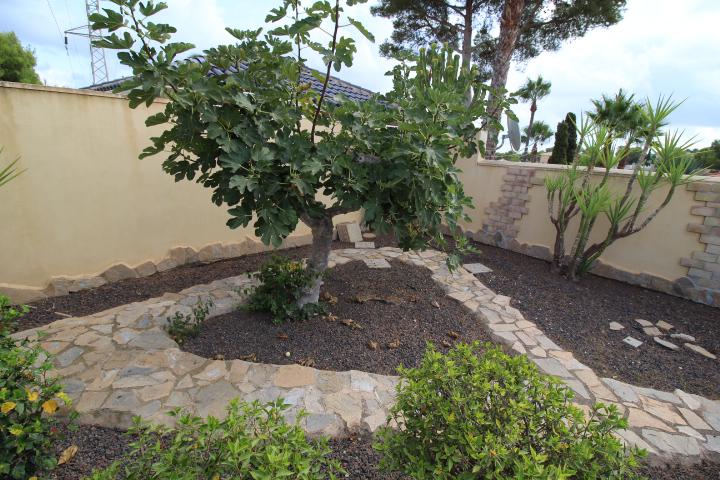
(504, 214)
(704, 264)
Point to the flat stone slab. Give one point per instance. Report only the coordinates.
(476, 268)
(700, 350)
(377, 263)
(616, 326)
(349, 232)
(643, 323)
(665, 343)
(368, 245)
(663, 325)
(121, 363)
(682, 336)
(652, 331)
(633, 342)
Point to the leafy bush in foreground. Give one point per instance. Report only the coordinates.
(254, 441)
(282, 283)
(29, 399)
(467, 415)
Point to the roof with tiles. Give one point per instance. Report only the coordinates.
(335, 85)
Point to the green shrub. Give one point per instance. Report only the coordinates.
(282, 283)
(468, 415)
(184, 326)
(254, 441)
(29, 400)
(9, 315)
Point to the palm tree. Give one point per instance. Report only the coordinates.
(538, 133)
(623, 116)
(532, 91)
(621, 113)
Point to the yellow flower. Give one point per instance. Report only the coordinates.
(50, 406)
(63, 396)
(33, 478)
(32, 395)
(7, 407)
(16, 431)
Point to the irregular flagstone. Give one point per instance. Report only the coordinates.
(640, 418)
(120, 363)
(678, 444)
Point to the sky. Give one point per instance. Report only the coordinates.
(660, 47)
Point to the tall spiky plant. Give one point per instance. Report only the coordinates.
(10, 171)
(572, 193)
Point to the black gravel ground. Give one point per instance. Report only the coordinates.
(576, 316)
(95, 300)
(394, 313)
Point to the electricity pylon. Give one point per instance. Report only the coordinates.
(98, 64)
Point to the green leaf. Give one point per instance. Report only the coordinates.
(361, 28)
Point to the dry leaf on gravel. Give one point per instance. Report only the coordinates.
(349, 322)
(372, 345)
(307, 362)
(453, 334)
(67, 454)
(329, 298)
(394, 344)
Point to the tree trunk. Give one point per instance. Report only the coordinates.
(322, 233)
(509, 28)
(467, 34)
(559, 247)
(533, 109)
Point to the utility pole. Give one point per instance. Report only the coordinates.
(98, 65)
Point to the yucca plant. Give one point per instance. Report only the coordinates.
(572, 193)
(10, 171)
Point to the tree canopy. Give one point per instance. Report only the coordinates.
(17, 63)
(269, 145)
(470, 26)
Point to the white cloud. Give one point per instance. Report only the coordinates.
(661, 47)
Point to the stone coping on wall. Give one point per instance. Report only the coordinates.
(120, 363)
(614, 172)
(177, 256)
(71, 91)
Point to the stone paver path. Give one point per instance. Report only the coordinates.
(120, 363)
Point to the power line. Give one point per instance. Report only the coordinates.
(52, 13)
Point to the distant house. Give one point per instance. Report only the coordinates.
(335, 85)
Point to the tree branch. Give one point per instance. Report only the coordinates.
(327, 72)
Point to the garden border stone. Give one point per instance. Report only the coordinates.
(120, 363)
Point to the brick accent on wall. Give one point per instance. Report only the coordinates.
(503, 214)
(704, 266)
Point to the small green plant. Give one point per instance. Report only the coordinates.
(29, 399)
(469, 414)
(254, 441)
(9, 315)
(184, 326)
(282, 283)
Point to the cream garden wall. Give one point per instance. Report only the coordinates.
(679, 251)
(86, 203)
